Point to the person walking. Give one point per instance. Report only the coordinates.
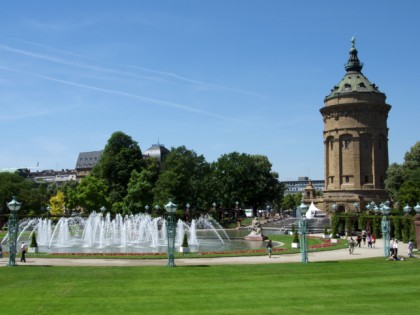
(410, 249)
(351, 245)
(369, 240)
(395, 247)
(23, 251)
(373, 240)
(269, 248)
(364, 237)
(358, 240)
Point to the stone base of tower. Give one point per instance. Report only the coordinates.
(351, 200)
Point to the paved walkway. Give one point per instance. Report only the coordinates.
(333, 255)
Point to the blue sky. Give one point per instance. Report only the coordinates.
(216, 76)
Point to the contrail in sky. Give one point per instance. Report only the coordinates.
(126, 94)
(160, 73)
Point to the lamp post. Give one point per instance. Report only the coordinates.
(303, 230)
(13, 227)
(187, 212)
(146, 208)
(385, 225)
(103, 209)
(356, 206)
(407, 209)
(157, 210)
(171, 231)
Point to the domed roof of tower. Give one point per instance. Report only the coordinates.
(354, 80)
(157, 151)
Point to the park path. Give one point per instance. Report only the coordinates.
(332, 255)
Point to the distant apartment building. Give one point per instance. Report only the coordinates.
(298, 186)
(51, 176)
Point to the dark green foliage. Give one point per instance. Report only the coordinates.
(119, 159)
(32, 196)
(295, 237)
(185, 240)
(33, 241)
(396, 221)
(407, 222)
(183, 178)
(335, 221)
(91, 194)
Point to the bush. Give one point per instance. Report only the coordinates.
(295, 237)
(185, 241)
(33, 240)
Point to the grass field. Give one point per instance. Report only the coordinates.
(367, 286)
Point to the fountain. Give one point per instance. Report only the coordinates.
(139, 233)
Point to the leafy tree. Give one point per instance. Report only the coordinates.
(412, 157)
(409, 193)
(247, 179)
(395, 177)
(183, 177)
(403, 181)
(91, 194)
(139, 191)
(31, 195)
(70, 195)
(289, 202)
(119, 159)
(57, 203)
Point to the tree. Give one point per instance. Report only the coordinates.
(119, 159)
(245, 178)
(412, 157)
(140, 191)
(57, 203)
(182, 177)
(69, 191)
(403, 181)
(91, 194)
(31, 195)
(289, 202)
(395, 177)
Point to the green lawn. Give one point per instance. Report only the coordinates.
(371, 286)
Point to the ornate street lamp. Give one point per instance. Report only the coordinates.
(356, 206)
(385, 226)
(236, 209)
(13, 227)
(303, 230)
(157, 210)
(103, 209)
(417, 208)
(171, 231)
(407, 209)
(187, 212)
(147, 208)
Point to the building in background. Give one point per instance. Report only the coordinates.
(355, 117)
(157, 151)
(298, 186)
(85, 163)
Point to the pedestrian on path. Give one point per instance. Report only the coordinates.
(410, 249)
(373, 240)
(269, 248)
(23, 252)
(364, 237)
(351, 245)
(369, 240)
(359, 240)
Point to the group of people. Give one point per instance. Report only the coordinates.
(365, 237)
(393, 250)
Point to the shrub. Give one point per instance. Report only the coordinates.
(185, 241)
(33, 240)
(295, 237)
